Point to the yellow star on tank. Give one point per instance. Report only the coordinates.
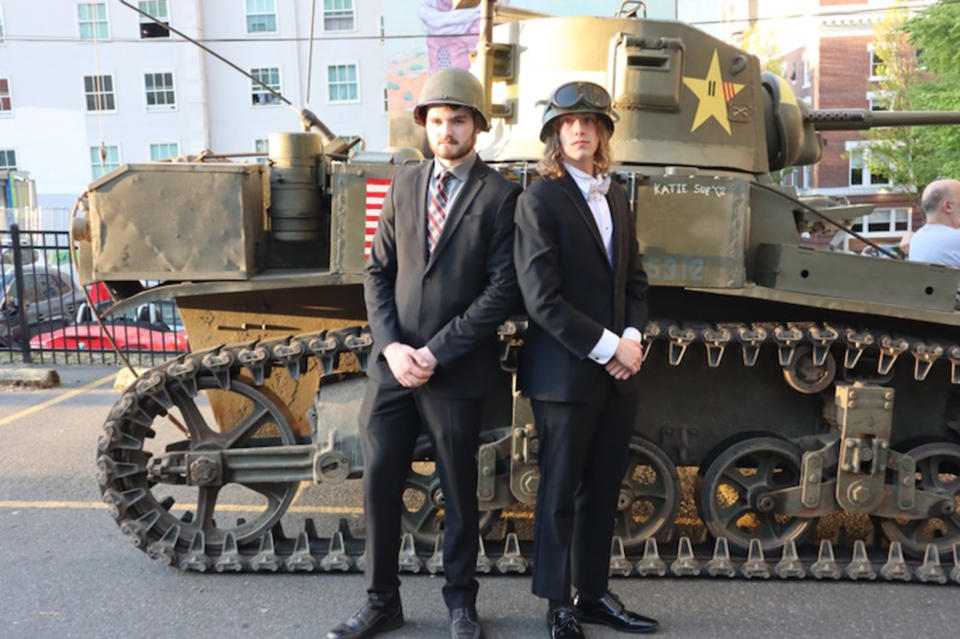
(713, 94)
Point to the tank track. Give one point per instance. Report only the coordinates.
(125, 483)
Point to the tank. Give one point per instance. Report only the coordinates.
(800, 407)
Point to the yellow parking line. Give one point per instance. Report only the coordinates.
(317, 510)
(52, 504)
(56, 400)
(95, 505)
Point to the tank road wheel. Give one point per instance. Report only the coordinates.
(729, 496)
(153, 503)
(649, 495)
(938, 471)
(803, 376)
(422, 514)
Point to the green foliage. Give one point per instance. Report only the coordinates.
(763, 42)
(914, 156)
(936, 33)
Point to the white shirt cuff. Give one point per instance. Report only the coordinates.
(632, 333)
(605, 348)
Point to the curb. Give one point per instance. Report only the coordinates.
(29, 377)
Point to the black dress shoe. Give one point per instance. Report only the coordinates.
(369, 621)
(610, 611)
(562, 624)
(464, 624)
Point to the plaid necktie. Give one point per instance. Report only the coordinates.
(437, 210)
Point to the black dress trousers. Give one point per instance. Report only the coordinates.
(390, 422)
(584, 448)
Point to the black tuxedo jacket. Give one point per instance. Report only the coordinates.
(453, 300)
(570, 291)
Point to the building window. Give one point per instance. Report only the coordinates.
(93, 20)
(877, 66)
(164, 151)
(338, 15)
(807, 74)
(8, 160)
(159, 10)
(1, 26)
(160, 93)
(98, 90)
(261, 16)
(884, 221)
(6, 103)
(878, 100)
(342, 83)
(261, 145)
(269, 76)
(103, 165)
(860, 174)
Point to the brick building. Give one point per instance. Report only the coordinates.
(837, 68)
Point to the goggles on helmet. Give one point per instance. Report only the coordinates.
(572, 94)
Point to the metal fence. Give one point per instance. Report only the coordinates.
(44, 316)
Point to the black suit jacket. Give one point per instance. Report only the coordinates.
(570, 291)
(453, 301)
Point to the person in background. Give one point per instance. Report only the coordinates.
(938, 241)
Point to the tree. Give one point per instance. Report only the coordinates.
(765, 44)
(913, 156)
(934, 33)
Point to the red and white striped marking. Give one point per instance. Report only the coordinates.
(376, 192)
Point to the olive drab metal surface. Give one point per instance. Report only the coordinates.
(683, 97)
(183, 210)
(711, 250)
(790, 391)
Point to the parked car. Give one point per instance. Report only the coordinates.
(149, 328)
(50, 299)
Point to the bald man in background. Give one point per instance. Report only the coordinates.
(938, 241)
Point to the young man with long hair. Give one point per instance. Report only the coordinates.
(585, 291)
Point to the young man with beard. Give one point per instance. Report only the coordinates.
(439, 281)
(585, 290)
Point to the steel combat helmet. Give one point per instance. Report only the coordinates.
(578, 97)
(455, 87)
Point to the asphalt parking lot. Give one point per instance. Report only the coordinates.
(66, 570)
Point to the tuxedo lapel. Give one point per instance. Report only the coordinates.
(576, 196)
(420, 185)
(460, 205)
(617, 216)
(620, 257)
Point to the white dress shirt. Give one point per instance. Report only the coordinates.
(605, 348)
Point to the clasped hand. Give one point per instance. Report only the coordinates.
(627, 359)
(411, 366)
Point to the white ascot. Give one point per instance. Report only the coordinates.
(599, 186)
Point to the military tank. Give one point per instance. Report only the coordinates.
(800, 407)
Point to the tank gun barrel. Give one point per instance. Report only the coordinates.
(859, 119)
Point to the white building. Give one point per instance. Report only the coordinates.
(78, 73)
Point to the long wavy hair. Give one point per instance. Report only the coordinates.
(551, 164)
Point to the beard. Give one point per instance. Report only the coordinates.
(454, 150)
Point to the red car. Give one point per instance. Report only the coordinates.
(145, 332)
(127, 336)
